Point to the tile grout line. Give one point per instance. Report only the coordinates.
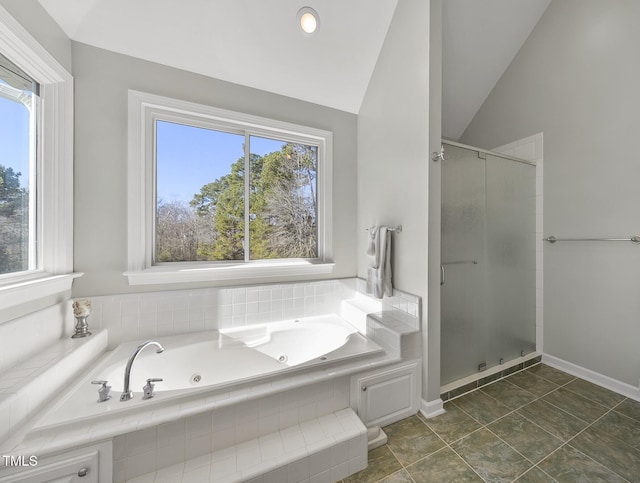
(485, 426)
(565, 443)
(468, 434)
(581, 452)
(447, 445)
(514, 412)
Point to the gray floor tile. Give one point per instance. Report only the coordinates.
(408, 426)
(531, 441)
(481, 407)
(629, 408)
(509, 394)
(575, 405)
(411, 440)
(552, 419)
(551, 374)
(382, 463)
(401, 476)
(532, 383)
(570, 465)
(535, 475)
(541, 426)
(491, 458)
(453, 424)
(595, 393)
(610, 452)
(443, 466)
(620, 427)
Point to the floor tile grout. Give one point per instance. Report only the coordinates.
(514, 392)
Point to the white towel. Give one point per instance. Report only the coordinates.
(379, 271)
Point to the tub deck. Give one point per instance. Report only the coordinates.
(224, 362)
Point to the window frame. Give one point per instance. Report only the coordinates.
(53, 273)
(144, 110)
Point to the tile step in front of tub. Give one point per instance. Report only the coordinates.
(320, 450)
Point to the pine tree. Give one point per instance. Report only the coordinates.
(14, 222)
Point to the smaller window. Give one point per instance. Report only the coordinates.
(226, 195)
(36, 169)
(18, 169)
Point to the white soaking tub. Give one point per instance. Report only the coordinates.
(205, 362)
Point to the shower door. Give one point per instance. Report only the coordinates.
(488, 261)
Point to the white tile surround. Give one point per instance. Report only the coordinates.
(531, 149)
(158, 447)
(154, 314)
(320, 450)
(27, 388)
(279, 404)
(25, 336)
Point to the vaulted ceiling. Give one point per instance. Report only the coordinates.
(480, 39)
(259, 43)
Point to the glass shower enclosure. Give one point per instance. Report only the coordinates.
(488, 271)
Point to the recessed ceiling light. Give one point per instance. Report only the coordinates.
(308, 20)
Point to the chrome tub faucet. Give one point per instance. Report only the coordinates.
(127, 393)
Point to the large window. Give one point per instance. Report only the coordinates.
(204, 176)
(224, 195)
(18, 169)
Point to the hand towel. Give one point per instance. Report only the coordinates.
(379, 271)
(371, 250)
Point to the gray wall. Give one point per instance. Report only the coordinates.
(35, 19)
(102, 79)
(393, 145)
(576, 80)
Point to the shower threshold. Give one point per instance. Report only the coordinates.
(474, 381)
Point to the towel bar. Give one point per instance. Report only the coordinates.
(397, 229)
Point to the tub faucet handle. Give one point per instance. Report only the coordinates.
(148, 388)
(104, 391)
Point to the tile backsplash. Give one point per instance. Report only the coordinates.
(156, 314)
(139, 316)
(147, 315)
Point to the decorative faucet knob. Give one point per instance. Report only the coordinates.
(148, 388)
(104, 391)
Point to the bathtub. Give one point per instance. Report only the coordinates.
(206, 362)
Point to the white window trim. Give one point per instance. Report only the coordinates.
(144, 108)
(54, 274)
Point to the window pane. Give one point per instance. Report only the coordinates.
(17, 183)
(200, 194)
(283, 199)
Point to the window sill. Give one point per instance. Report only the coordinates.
(40, 286)
(184, 273)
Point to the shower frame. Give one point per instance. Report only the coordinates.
(530, 346)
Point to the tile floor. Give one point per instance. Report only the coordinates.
(538, 425)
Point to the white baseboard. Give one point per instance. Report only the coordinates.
(432, 408)
(592, 376)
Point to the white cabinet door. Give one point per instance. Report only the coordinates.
(387, 396)
(79, 466)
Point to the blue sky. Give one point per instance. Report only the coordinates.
(189, 157)
(14, 138)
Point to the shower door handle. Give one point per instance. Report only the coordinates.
(441, 274)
